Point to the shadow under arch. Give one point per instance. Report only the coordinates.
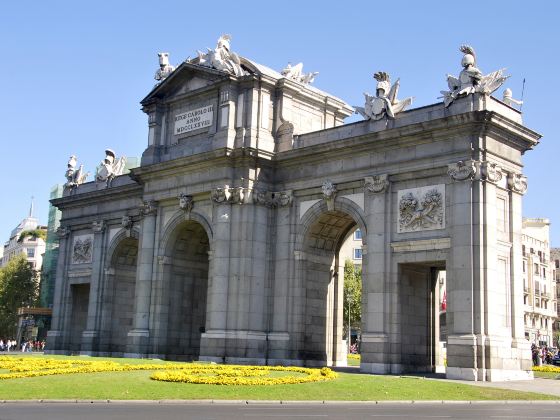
(319, 275)
(182, 290)
(120, 276)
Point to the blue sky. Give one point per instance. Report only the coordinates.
(73, 73)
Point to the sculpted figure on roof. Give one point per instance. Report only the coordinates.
(296, 73)
(74, 177)
(222, 58)
(385, 102)
(110, 167)
(471, 80)
(165, 69)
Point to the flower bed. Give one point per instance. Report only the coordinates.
(546, 368)
(172, 372)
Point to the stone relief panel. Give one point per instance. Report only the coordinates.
(421, 209)
(82, 249)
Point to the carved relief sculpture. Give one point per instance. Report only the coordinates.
(470, 79)
(110, 167)
(462, 170)
(186, 202)
(377, 183)
(221, 58)
(385, 103)
(98, 226)
(285, 198)
(74, 177)
(82, 249)
(421, 209)
(126, 222)
(165, 69)
(296, 73)
(329, 194)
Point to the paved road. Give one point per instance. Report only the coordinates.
(329, 411)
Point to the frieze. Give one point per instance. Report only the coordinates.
(517, 182)
(82, 249)
(491, 172)
(462, 170)
(421, 209)
(376, 184)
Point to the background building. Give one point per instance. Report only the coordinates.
(539, 286)
(33, 247)
(555, 263)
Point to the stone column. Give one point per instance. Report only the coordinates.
(90, 336)
(55, 336)
(138, 337)
(375, 346)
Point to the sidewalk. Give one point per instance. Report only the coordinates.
(538, 385)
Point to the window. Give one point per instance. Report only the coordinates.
(544, 273)
(537, 271)
(523, 266)
(357, 235)
(30, 252)
(557, 262)
(357, 253)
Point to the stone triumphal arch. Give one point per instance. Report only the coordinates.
(223, 245)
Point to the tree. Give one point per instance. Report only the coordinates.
(37, 233)
(352, 295)
(19, 287)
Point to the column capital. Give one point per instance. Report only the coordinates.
(98, 226)
(376, 184)
(517, 182)
(462, 171)
(490, 172)
(149, 208)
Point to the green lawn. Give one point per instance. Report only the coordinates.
(137, 385)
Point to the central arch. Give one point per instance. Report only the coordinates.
(322, 234)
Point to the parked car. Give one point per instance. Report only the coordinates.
(556, 359)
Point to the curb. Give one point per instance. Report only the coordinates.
(283, 402)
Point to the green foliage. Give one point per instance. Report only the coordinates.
(352, 295)
(19, 287)
(37, 233)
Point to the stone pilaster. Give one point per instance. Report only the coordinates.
(56, 335)
(90, 336)
(376, 275)
(138, 337)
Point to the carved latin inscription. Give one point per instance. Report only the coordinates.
(421, 209)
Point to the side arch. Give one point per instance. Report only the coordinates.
(343, 205)
(178, 218)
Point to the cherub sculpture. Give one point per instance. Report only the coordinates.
(508, 100)
(296, 73)
(110, 167)
(385, 103)
(74, 177)
(470, 79)
(221, 58)
(165, 69)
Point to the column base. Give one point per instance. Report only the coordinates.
(137, 343)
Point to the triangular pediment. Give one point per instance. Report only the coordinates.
(186, 78)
